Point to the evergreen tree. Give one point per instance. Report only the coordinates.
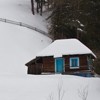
(72, 18)
(90, 16)
(64, 21)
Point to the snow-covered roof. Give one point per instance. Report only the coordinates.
(65, 47)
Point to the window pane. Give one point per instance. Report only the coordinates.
(74, 62)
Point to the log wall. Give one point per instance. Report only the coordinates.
(83, 65)
(48, 64)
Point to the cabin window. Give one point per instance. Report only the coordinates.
(74, 62)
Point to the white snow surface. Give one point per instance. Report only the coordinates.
(42, 87)
(20, 10)
(19, 45)
(65, 47)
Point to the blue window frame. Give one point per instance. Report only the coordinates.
(74, 62)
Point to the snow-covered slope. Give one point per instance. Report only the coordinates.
(18, 45)
(20, 10)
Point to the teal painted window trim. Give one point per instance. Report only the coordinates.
(74, 62)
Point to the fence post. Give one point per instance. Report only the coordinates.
(24, 25)
(20, 23)
(5, 20)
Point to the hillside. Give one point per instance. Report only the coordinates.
(19, 44)
(20, 10)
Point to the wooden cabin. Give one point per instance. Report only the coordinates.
(62, 56)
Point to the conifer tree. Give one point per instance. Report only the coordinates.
(76, 18)
(61, 20)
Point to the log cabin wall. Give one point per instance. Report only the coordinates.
(35, 68)
(31, 69)
(82, 63)
(48, 64)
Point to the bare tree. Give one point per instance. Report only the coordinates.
(60, 92)
(32, 6)
(51, 97)
(40, 6)
(83, 93)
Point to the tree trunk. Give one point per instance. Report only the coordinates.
(41, 7)
(32, 6)
(37, 7)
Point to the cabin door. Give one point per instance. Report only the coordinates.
(59, 65)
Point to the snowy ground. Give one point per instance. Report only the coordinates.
(43, 87)
(20, 10)
(19, 45)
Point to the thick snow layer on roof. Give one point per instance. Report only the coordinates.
(65, 47)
